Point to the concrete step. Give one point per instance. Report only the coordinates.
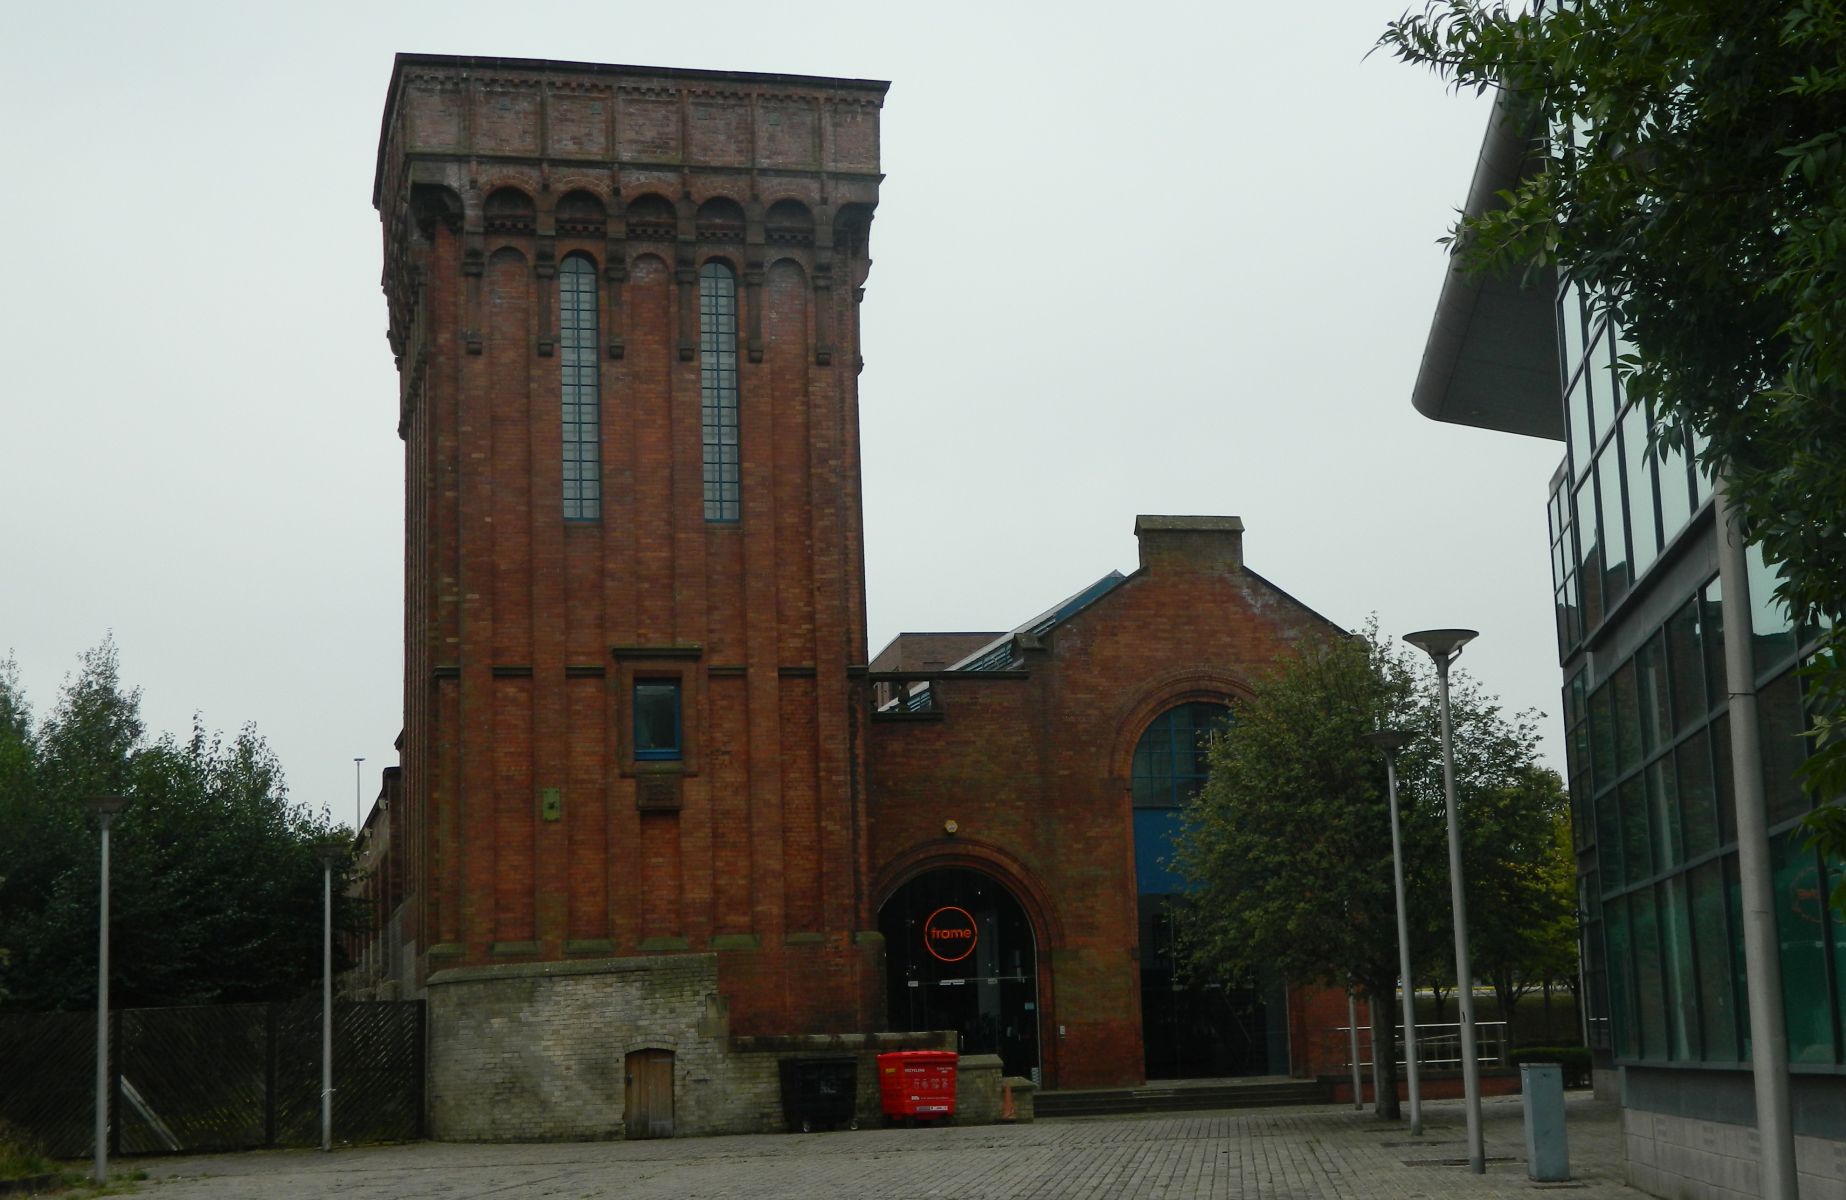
(1187, 1097)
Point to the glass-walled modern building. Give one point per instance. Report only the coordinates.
(1649, 740)
(1640, 630)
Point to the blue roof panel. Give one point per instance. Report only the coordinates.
(997, 655)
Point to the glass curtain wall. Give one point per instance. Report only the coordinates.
(1648, 747)
(1657, 836)
(1627, 488)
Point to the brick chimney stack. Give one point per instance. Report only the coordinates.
(1190, 543)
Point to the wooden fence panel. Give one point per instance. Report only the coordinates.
(48, 1081)
(191, 1078)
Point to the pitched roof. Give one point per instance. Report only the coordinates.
(997, 655)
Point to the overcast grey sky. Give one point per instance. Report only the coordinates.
(1147, 258)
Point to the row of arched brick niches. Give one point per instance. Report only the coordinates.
(788, 224)
(650, 216)
(720, 227)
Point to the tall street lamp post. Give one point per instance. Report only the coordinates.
(330, 853)
(1390, 741)
(105, 808)
(1444, 647)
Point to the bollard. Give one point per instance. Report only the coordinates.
(1547, 1151)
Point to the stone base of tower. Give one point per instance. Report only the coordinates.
(614, 1048)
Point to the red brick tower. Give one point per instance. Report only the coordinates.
(624, 305)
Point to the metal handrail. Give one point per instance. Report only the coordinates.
(1438, 1044)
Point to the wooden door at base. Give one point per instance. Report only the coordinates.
(648, 1102)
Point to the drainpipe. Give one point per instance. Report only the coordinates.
(1761, 942)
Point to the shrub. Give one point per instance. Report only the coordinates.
(19, 1157)
(1574, 1059)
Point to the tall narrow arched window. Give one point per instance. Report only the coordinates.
(718, 390)
(1172, 759)
(582, 427)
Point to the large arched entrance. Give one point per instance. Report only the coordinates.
(1190, 1027)
(960, 954)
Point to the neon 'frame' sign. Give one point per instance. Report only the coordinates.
(949, 934)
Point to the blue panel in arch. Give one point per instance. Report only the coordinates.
(1155, 832)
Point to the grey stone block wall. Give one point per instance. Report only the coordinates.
(864, 1048)
(537, 1052)
(1685, 1158)
(1024, 1094)
(977, 1089)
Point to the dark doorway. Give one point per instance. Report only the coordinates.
(648, 1109)
(960, 954)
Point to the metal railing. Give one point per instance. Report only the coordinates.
(1438, 1045)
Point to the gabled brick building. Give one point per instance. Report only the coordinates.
(1048, 767)
(654, 802)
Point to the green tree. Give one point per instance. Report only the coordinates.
(1695, 186)
(1557, 962)
(16, 762)
(16, 747)
(216, 888)
(1523, 928)
(1288, 846)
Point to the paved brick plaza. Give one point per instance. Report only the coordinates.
(1294, 1152)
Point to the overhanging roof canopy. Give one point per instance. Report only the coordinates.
(1492, 356)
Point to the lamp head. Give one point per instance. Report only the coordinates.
(331, 854)
(105, 806)
(1390, 740)
(1441, 644)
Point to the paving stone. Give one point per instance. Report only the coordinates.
(1289, 1154)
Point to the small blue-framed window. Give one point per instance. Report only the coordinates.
(657, 720)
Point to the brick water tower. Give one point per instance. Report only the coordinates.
(624, 304)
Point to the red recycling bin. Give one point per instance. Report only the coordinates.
(917, 1083)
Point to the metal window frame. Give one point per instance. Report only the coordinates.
(722, 468)
(676, 751)
(579, 389)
